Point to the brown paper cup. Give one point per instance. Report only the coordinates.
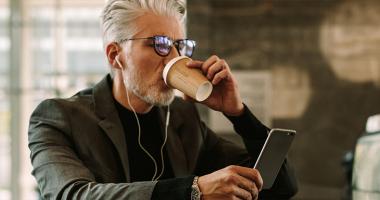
(190, 81)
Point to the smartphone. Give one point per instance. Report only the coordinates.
(273, 154)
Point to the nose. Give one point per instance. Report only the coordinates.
(173, 53)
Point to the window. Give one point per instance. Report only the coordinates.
(67, 47)
(60, 47)
(5, 153)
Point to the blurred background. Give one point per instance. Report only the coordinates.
(308, 65)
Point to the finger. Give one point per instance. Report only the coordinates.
(241, 193)
(256, 197)
(259, 183)
(255, 193)
(249, 173)
(209, 62)
(216, 67)
(234, 179)
(220, 76)
(249, 186)
(194, 64)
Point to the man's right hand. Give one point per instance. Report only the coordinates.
(232, 182)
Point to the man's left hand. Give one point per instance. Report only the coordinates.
(225, 96)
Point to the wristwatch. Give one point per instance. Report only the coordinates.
(195, 191)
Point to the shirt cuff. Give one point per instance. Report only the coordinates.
(248, 126)
(175, 188)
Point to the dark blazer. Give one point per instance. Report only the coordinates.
(78, 148)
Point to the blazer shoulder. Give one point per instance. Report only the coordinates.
(82, 100)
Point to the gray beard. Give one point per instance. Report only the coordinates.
(133, 83)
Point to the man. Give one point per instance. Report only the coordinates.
(129, 138)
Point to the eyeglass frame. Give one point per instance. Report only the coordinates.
(174, 42)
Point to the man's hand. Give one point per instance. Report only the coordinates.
(232, 182)
(225, 96)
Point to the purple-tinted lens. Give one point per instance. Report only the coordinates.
(162, 45)
(186, 47)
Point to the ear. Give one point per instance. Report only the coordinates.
(113, 50)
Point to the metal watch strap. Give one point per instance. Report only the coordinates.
(195, 191)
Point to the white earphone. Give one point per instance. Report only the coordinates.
(154, 178)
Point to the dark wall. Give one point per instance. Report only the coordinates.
(323, 57)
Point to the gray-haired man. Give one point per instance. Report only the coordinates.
(130, 138)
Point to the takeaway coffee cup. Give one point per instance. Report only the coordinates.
(190, 81)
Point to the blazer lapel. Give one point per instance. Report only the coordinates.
(110, 121)
(116, 134)
(174, 145)
(112, 126)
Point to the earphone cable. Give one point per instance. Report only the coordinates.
(139, 135)
(139, 138)
(163, 145)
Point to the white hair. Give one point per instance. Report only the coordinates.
(118, 16)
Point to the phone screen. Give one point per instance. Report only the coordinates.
(273, 154)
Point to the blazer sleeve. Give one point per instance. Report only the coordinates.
(219, 153)
(59, 172)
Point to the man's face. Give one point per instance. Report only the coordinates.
(143, 66)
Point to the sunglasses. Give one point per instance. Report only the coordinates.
(163, 45)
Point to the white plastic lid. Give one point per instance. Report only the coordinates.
(170, 64)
